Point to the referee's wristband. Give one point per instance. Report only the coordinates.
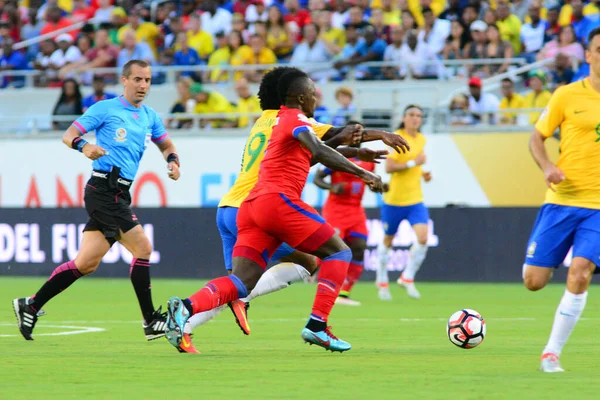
(173, 157)
(411, 164)
(78, 143)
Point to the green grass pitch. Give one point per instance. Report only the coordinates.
(400, 349)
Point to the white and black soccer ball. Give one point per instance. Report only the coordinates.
(466, 328)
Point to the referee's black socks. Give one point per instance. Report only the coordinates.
(140, 278)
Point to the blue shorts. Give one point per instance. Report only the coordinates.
(557, 228)
(391, 216)
(226, 222)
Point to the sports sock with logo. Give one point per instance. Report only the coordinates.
(567, 314)
(62, 277)
(139, 273)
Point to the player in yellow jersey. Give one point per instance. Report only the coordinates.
(299, 265)
(404, 200)
(570, 216)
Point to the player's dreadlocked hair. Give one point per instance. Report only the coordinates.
(267, 92)
(291, 84)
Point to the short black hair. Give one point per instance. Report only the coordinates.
(291, 83)
(426, 10)
(508, 80)
(267, 92)
(595, 32)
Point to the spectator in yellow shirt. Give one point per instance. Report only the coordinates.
(539, 95)
(247, 103)
(221, 56)
(333, 38)
(211, 103)
(259, 55)
(509, 25)
(199, 40)
(416, 7)
(511, 100)
(144, 31)
(391, 13)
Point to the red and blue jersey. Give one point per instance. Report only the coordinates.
(354, 187)
(287, 162)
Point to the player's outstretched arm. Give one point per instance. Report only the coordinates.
(72, 139)
(169, 152)
(349, 134)
(334, 160)
(552, 173)
(395, 141)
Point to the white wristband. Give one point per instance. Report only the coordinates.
(411, 164)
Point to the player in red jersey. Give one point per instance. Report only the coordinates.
(344, 211)
(274, 213)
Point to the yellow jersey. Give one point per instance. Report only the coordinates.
(200, 41)
(573, 109)
(146, 32)
(536, 101)
(254, 152)
(516, 101)
(405, 185)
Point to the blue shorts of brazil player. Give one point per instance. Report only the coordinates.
(226, 222)
(557, 228)
(391, 216)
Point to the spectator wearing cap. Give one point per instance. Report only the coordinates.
(66, 53)
(370, 49)
(539, 96)
(54, 21)
(313, 51)
(118, 19)
(12, 61)
(321, 112)
(144, 31)
(511, 100)
(280, 38)
(477, 48)
(509, 25)
(247, 103)
(296, 18)
(333, 38)
(533, 34)
(215, 19)
(99, 94)
(482, 105)
(220, 57)
(134, 50)
(211, 103)
(104, 11)
(435, 31)
(256, 11)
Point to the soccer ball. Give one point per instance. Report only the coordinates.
(466, 328)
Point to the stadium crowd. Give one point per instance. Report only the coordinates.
(328, 38)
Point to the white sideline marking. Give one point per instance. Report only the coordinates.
(77, 330)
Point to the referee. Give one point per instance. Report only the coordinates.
(124, 128)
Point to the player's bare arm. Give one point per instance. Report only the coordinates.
(334, 160)
(72, 139)
(395, 166)
(350, 134)
(393, 140)
(552, 174)
(169, 152)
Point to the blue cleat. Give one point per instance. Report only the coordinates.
(177, 316)
(325, 339)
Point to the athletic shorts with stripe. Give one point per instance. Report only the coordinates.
(267, 221)
(348, 222)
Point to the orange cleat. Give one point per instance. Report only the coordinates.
(186, 345)
(240, 311)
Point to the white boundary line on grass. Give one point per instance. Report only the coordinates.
(76, 330)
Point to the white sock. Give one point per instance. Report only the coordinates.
(567, 314)
(276, 278)
(418, 252)
(383, 253)
(202, 318)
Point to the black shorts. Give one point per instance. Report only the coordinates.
(109, 209)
